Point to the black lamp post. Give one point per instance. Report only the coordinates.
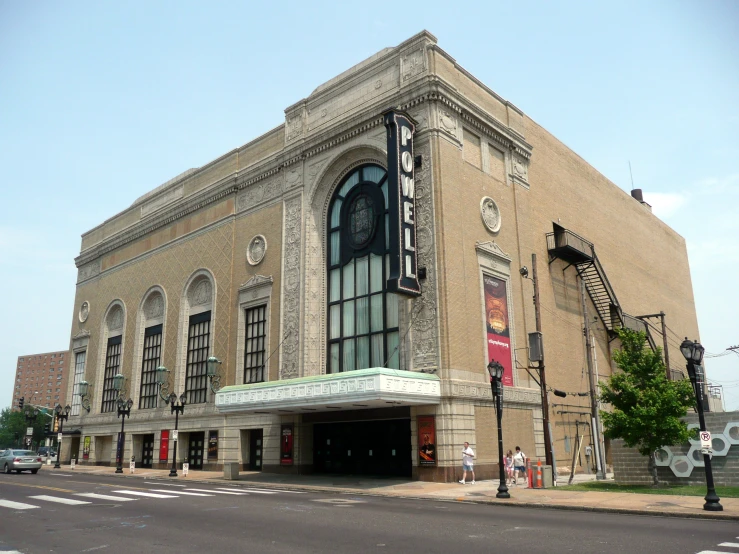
(496, 384)
(693, 353)
(61, 417)
(177, 409)
(124, 409)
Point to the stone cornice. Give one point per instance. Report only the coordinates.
(481, 391)
(430, 89)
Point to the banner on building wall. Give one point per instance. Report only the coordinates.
(119, 448)
(427, 440)
(496, 322)
(286, 445)
(86, 448)
(401, 204)
(164, 447)
(213, 445)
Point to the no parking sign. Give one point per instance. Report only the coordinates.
(705, 439)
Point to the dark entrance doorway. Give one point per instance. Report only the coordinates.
(147, 451)
(255, 450)
(380, 448)
(195, 450)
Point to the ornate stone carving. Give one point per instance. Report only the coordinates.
(115, 319)
(154, 307)
(448, 122)
(84, 311)
(490, 214)
(256, 250)
(294, 128)
(520, 169)
(201, 293)
(492, 248)
(290, 366)
(88, 271)
(412, 64)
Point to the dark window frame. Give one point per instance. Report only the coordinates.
(150, 360)
(112, 368)
(198, 348)
(255, 343)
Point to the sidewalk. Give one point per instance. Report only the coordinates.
(483, 492)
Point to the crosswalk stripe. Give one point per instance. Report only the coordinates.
(245, 490)
(182, 492)
(10, 552)
(59, 500)
(730, 544)
(149, 494)
(274, 491)
(218, 492)
(16, 505)
(103, 497)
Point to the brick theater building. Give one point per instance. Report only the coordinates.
(354, 270)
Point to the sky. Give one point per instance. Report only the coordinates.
(101, 102)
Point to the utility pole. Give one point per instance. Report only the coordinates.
(664, 344)
(595, 416)
(549, 455)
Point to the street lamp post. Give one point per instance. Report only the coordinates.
(176, 409)
(496, 375)
(124, 410)
(693, 353)
(61, 417)
(30, 419)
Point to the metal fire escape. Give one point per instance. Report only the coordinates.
(577, 251)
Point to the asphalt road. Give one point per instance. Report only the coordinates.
(86, 513)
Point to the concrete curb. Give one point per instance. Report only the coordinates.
(486, 501)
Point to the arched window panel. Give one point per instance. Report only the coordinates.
(362, 315)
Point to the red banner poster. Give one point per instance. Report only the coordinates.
(164, 447)
(427, 440)
(286, 446)
(496, 321)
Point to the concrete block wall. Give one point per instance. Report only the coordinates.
(631, 468)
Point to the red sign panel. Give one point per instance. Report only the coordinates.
(164, 447)
(286, 445)
(427, 440)
(496, 321)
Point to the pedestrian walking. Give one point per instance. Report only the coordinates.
(467, 455)
(519, 465)
(508, 461)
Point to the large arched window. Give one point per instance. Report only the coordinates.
(362, 315)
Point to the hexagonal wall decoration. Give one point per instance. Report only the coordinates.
(720, 445)
(731, 432)
(696, 456)
(663, 456)
(681, 466)
(695, 440)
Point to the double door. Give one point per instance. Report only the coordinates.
(195, 449)
(255, 449)
(147, 451)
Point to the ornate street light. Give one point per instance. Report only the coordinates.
(176, 409)
(83, 391)
(163, 383)
(214, 374)
(124, 410)
(61, 416)
(692, 351)
(496, 384)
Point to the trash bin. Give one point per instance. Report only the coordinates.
(546, 476)
(231, 470)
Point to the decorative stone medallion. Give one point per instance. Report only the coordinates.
(490, 214)
(256, 250)
(84, 311)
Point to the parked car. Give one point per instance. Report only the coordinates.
(46, 452)
(19, 460)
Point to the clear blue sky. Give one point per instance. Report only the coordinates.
(100, 102)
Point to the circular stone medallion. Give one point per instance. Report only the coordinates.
(256, 250)
(84, 311)
(490, 214)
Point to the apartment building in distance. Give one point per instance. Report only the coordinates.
(41, 379)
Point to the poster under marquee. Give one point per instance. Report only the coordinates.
(497, 325)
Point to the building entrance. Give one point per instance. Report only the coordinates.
(147, 451)
(195, 450)
(363, 447)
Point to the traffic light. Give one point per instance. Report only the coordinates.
(56, 424)
(21, 401)
(47, 428)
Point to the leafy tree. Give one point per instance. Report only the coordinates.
(647, 407)
(13, 424)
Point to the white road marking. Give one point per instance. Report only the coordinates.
(244, 490)
(16, 505)
(275, 491)
(730, 544)
(182, 492)
(157, 484)
(218, 492)
(61, 474)
(148, 494)
(11, 552)
(104, 496)
(59, 500)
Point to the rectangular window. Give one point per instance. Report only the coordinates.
(151, 360)
(79, 371)
(255, 344)
(112, 368)
(198, 343)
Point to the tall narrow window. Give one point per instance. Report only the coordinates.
(79, 371)
(362, 315)
(151, 359)
(254, 352)
(198, 343)
(112, 368)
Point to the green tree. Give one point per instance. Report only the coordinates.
(14, 424)
(647, 407)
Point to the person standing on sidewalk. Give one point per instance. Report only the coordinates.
(467, 455)
(519, 465)
(508, 460)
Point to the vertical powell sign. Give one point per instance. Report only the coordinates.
(401, 204)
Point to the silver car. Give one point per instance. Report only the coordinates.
(19, 460)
